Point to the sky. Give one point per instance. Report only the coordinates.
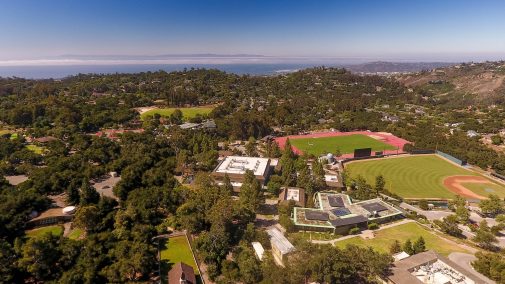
(424, 30)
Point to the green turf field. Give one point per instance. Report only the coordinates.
(345, 144)
(384, 238)
(56, 230)
(188, 113)
(414, 176)
(177, 250)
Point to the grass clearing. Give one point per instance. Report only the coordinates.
(188, 112)
(384, 238)
(75, 234)
(175, 250)
(345, 144)
(56, 230)
(35, 149)
(414, 176)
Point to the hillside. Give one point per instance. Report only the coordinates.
(483, 81)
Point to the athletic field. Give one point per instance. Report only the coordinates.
(319, 143)
(425, 176)
(188, 112)
(345, 144)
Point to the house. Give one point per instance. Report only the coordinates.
(281, 246)
(430, 267)
(293, 193)
(181, 273)
(236, 166)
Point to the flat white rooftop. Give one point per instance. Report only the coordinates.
(258, 249)
(239, 165)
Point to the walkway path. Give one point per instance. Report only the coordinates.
(430, 214)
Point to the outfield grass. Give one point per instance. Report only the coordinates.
(483, 189)
(413, 176)
(56, 230)
(177, 250)
(384, 238)
(345, 144)
(187, 113)
(36, 149)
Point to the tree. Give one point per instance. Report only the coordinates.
(88, 195)
(408, 248)
(463, 214)
(227, 186)
(380, 184)
(419, 245)
(87, 218)
(274, 184)
(250, 147)
(496, 140)
(492, 206)
(395, 247)
(449, 225)
(176, 117)
(318, 172)
(249, 267)
(484, 237)
(251, 193)
(423, 204)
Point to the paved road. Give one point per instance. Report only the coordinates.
(464, 260)
(430, 214)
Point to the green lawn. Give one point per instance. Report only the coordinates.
(413, 176)
(345, 144)
(188, 113)
(176, 250)
(56, 230)
(4, 131)
(14, 136)
(75, 234)
(384, 238)
(36, 149)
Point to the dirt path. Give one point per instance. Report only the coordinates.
(455, 184)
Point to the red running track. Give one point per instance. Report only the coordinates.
(387, 138)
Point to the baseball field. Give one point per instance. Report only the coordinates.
(426, 176)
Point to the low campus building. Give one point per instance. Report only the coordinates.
(292, 193)
(236, 166)
(52, 216)
(336, 213)
(281, 246)
(430, 267)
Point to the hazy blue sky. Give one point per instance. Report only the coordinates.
(403, 29)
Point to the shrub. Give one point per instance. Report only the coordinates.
(373, 226)
(354, 231)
